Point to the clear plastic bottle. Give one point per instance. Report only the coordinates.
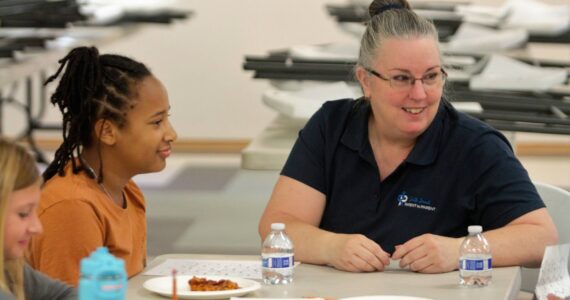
(475, 260)
(277, 259)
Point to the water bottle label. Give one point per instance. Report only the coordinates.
(280, 262)
(476, 264)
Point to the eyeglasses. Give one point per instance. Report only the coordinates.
(405, 81)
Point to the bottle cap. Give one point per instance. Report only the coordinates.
(475, 229)
(277, 226)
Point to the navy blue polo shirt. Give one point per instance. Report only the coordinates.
(461, 172)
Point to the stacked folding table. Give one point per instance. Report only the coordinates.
(499, 79)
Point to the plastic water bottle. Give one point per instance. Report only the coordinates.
(277, 256)
(103, 276)
(475, 260)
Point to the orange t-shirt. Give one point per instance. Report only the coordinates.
(77, 217)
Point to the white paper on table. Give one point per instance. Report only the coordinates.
(231, 268)
(553, 277)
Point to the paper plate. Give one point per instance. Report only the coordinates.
(163, 286)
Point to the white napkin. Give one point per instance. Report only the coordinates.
(553, 277)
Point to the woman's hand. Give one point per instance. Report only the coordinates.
(429, 253)
(356, 253)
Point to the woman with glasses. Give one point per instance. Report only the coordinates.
(399, 173)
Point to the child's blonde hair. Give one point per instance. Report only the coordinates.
(18, 170)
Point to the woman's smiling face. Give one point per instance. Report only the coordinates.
(406, 112)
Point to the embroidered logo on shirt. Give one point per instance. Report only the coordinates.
(414, 202)
(402, 198)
